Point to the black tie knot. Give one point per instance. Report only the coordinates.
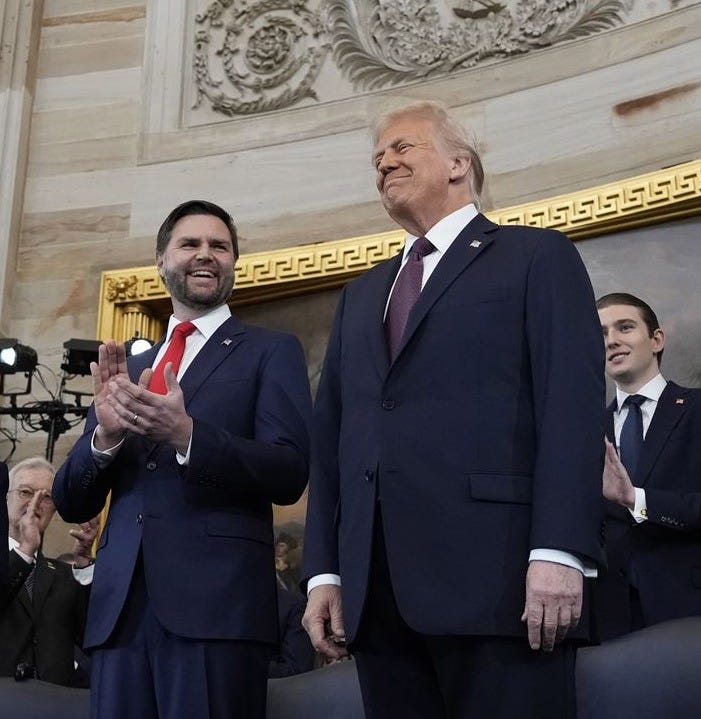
(634, 399)
(421, 248)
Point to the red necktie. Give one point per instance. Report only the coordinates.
(406, 291)
(173, 354)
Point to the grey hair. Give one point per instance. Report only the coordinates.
(31, 463)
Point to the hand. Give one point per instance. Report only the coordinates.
(553, 602)
(112, 363)
(160, 418)
(84, 540)
(617, 485)
(29, 525)
(324, 611)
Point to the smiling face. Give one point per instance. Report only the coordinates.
(197, 265)
(419, 180)
(631, 348)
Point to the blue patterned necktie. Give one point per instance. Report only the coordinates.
(406, 291)
(631, 440)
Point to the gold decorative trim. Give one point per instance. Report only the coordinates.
(647, 199)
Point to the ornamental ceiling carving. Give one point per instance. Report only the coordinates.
(254, 56)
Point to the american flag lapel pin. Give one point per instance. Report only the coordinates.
(680, 400)
(226, 342)
(475, 243)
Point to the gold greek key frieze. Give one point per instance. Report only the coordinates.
(647, 199)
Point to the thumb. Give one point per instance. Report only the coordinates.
(145, 378)
(170, 378)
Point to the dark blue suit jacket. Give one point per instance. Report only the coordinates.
(485, 434)
(661, 556)
(205, 531)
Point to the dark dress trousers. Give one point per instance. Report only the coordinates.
(198, 540)
(484, 437)
(659, 560)
(43, 631)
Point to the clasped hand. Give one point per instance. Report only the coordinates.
(123, 406)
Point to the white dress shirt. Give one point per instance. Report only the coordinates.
(441, 236)
(652, 391)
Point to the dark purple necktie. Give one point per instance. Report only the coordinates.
(406, 291)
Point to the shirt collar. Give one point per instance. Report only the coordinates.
(442, 234)
(207, 324)
(14, 544)
(650, 390)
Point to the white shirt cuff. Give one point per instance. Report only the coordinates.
(83, 575)
(319, 579)
(103, 457)
(184, 460)
(560, 557)
(639, 511)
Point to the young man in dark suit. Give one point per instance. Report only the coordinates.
(195, 439)
(652, 478)
(455, 492)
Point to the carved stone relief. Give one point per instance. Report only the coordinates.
(253, 56)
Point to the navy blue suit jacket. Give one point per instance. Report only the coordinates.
(661, 556)
(485, 434)
(205, 530)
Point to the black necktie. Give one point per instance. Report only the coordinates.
(29, 582)
(631, 441)
(406, 291)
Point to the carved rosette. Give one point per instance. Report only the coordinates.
(254, 56)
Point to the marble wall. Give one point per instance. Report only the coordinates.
(114, 141)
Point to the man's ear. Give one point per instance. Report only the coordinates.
(658, 340)
(459, 168)
(159, 265)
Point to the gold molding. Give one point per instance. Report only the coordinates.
(136, 297)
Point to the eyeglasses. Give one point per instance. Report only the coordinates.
(26, 494)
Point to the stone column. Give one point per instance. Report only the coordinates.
(20, 29)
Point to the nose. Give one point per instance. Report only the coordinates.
(611, 338)
(388, 162)
(204, 251)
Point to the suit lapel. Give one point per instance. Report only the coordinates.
(217, 348)
(670, 409)
(380, 285)
(468, 245)
(44, 576)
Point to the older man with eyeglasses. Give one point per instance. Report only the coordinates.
(42, 606)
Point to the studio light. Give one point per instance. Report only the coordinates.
(15, 357)
(136, 345)
(78, 356)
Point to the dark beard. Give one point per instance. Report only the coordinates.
(176, 284)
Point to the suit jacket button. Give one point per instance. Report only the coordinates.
(388, 404)
(139, 518)
(151, 466)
